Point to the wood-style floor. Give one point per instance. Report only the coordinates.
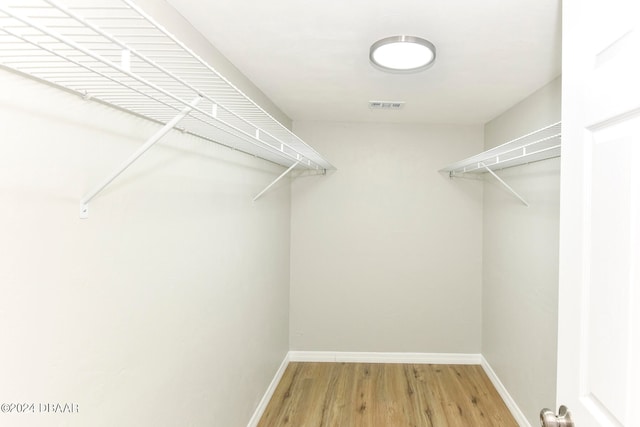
(385, 395)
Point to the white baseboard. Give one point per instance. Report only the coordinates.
(508, 400)
(262, 406)
(376, 357)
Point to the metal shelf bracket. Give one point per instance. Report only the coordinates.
(91, 48)
(276, 180)
(542, 144)
(507, 186)
(84, 203)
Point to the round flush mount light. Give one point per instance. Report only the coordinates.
(402, 54)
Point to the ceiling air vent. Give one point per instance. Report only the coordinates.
(386, 105)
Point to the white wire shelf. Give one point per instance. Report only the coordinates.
(110, 50)
(542, 144)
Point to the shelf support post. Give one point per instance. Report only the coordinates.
(276, 180)
(507, 186)
(84, 202)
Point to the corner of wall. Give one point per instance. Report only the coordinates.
(519, 272)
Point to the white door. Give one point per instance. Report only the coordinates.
(599, 301)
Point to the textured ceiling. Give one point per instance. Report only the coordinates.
(311, 57)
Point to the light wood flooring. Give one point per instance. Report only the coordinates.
(385, 395)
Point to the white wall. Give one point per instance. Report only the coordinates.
(169, 305)
(385, 251)
(520, 261)
(163, 13)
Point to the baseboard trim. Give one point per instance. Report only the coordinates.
(262, 406)
(502, 390)
(378, 357)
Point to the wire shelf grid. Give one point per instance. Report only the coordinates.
(539, 145)
(112, 51)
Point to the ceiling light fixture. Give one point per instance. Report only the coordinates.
(402, 54)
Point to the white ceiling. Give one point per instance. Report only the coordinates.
(312, 57)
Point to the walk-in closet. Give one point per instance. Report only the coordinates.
(241, 213)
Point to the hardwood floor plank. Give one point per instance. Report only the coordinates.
(385, 395)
